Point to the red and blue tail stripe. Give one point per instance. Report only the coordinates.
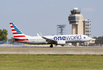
(18, 35)
(15, 28)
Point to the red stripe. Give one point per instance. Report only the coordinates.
(10, 23)
(12, 27)
(20, 36)
(21, 39)
(15, 33)
(13, 30)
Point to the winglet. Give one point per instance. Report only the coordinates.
(41, 34)
(38, 34)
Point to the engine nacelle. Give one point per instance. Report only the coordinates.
(60, 42)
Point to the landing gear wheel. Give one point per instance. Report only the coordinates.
(51, 46)
(62, 45)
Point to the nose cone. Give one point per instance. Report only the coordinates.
(90, 38)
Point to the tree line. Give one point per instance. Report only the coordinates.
(98, 38)
(3, 35)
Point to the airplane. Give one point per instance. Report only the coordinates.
(18, 36)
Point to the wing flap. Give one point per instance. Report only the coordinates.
(49, 40)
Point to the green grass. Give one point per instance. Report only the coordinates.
(50, 62)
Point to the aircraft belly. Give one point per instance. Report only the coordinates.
(33, 41)
(71, 41)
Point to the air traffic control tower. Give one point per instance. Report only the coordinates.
(79, 25)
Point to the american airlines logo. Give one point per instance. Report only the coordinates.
(77, 37)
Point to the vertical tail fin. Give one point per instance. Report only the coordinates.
(18, 35)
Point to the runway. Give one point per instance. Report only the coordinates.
(96, 50)
(47, 46)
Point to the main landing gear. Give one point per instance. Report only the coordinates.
(51, 46)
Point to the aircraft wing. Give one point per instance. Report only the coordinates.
(49, 40)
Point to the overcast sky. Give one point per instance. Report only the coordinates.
(34, 16)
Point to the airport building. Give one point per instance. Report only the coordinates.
(79, 25)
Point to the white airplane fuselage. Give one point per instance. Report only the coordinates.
(65, 38)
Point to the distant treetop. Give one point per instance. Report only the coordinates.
(3, 35)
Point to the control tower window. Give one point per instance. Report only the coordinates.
(87, 31)
(74, 21)
(87, 28)
(87, 34)
(74, 18)
(87, 25)
(86, 21)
